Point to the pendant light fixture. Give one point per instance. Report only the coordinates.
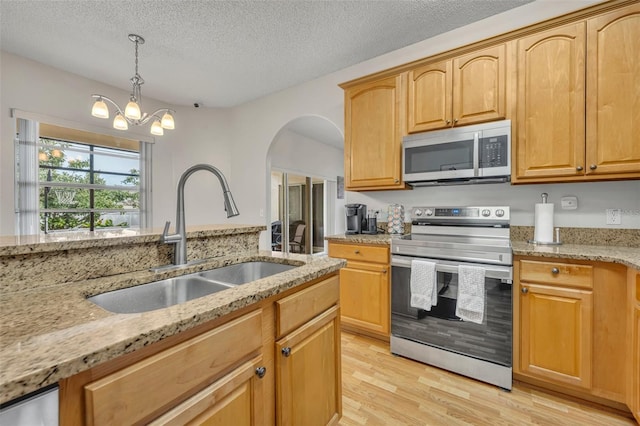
(132, 113)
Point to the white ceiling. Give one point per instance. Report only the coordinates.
(224, 53)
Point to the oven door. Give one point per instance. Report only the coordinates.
(440, 327)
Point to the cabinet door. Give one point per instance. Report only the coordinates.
(479, 86)
(549, 140)
(635, 395)
(613, 92)
(234, 399)
(633, 343)
(308, 375)
(555, 333)
(430, 89)
(364, 297)
(374, 126)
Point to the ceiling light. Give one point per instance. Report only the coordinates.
(132, 113)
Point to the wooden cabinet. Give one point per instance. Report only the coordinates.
(308, 368)
(124, 397)
(633, 344)
(550, 103)
(374, 127)
(364, 288)
(569, 329)
(555, 321)
(579, 76)
(464, 90)
(234, 399)
(613, 90)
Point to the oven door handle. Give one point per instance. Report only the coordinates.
(490, 271)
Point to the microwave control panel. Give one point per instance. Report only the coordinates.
(494, 151)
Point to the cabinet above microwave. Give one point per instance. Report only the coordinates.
(462, 155)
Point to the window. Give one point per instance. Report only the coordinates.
(83, 186)
(73, 180)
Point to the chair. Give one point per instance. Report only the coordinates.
(297, 242)
(276, 236)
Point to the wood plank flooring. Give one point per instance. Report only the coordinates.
(383, 389)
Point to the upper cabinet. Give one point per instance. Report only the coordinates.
(464, 90)
(550, 103)
(374, 126)
(613, 92)
(578, 115)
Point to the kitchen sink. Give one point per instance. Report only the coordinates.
(173, 291)
(242, 273)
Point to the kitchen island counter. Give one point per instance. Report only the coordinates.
(51, 332)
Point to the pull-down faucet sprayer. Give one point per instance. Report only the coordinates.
(180, 237)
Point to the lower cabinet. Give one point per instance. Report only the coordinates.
(224, 373)
(633, 342)
(570, 331)
(308, 368)
(365, 298)
(232, 400)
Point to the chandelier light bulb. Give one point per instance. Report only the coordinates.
(100, 109)
(167, 121)
(120, 123)
(156, 128)
(132, 110)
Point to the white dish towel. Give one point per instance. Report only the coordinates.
(424, 289)
(470, 303)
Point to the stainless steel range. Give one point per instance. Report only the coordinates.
(451, 237)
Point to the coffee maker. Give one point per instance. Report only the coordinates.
(356, 218)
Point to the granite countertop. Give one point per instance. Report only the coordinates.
(42, 243)
(54, 332)
(629, 256)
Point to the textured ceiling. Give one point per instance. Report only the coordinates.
(224, 53)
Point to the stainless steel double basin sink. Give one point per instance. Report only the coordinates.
(172, 291)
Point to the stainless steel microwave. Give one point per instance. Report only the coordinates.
(480, 153)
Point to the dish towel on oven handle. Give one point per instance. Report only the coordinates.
(470, 303)
(424, 290)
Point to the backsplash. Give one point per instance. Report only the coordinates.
(71, 261)
(585, 236)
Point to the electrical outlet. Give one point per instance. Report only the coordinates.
(614, 217)
(261, 212)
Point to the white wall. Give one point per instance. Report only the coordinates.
(593, 199)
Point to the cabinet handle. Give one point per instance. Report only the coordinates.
(384, 271)
(448, 122)
(455, 120)
(555, 271)
(593, 167)
(261, 371)
(397, 181)
(579, 168)
(356, 251)
(286, 351)
(524, 290)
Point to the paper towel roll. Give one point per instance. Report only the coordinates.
(544, 223)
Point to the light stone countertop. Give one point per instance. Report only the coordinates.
(54, 332)
(629, 256)
(15, 245)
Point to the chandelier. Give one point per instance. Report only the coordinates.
(132, 114)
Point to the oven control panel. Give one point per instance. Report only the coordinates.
(462, 213)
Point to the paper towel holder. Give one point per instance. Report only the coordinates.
(556, 241)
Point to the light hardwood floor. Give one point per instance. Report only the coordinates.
(383, 389)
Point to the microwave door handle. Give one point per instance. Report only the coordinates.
(476, 153)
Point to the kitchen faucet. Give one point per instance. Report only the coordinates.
(180, 237)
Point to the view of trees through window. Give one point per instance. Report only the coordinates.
(87, 187)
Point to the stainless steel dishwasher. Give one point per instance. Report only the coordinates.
(37, 409)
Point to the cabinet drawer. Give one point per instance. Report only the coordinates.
(297, 309)
(557, 273)
(133, 393)
(362, 253)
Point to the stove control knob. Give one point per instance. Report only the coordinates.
(486, 212)
(499, 212)
(428, 212)
(418, 212)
